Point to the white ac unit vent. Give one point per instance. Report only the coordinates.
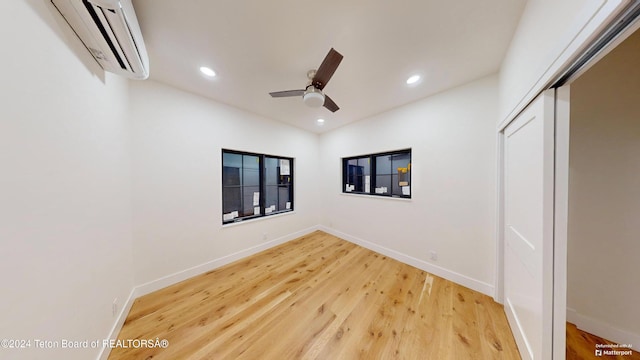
(110, 31)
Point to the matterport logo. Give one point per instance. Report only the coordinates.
(613, 350)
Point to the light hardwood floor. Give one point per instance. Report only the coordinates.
(318, 297)
(581, 345)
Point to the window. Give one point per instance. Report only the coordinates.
(382, 174)
(255, 185)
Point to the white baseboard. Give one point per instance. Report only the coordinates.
(463, 280)
(175, 278)
(602, 329)
(117, 326)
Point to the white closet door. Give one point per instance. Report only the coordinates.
(528, 227)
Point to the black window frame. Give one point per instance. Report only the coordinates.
(284, 184)
(354, 174)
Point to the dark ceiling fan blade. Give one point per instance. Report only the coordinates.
(329, 104)
(326, 69)
(287, 93)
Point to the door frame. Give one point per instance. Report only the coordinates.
(498, 295)
(561, 220)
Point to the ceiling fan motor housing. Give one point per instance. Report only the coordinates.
(313, 97)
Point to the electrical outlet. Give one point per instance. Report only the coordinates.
(114, 307)
(433, 255)
(265, 236)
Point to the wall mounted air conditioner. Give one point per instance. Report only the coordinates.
(110, 30)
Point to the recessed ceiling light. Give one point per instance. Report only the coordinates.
(207, 71)
(413, 79)
(320, 121)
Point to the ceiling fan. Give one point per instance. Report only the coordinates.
(318, 79)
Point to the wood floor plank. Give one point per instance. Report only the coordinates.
(387, 327)
(492, 346)
(333, 337)
(318, 297)
(436, 311)
(465, 325)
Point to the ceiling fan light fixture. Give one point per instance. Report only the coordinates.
(313, 97)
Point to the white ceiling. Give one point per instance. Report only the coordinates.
(260, 46)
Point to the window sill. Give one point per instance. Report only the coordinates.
(249, 221)
(367, 196)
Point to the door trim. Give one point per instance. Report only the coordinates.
(499, 274)
(561, 220)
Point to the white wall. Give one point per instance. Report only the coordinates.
(548, 36)
(65, 213)
(604, 196)
(452, 136)
(177, 142)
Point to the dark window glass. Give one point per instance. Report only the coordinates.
(278, 182)
(358, 175)
(392, 173)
